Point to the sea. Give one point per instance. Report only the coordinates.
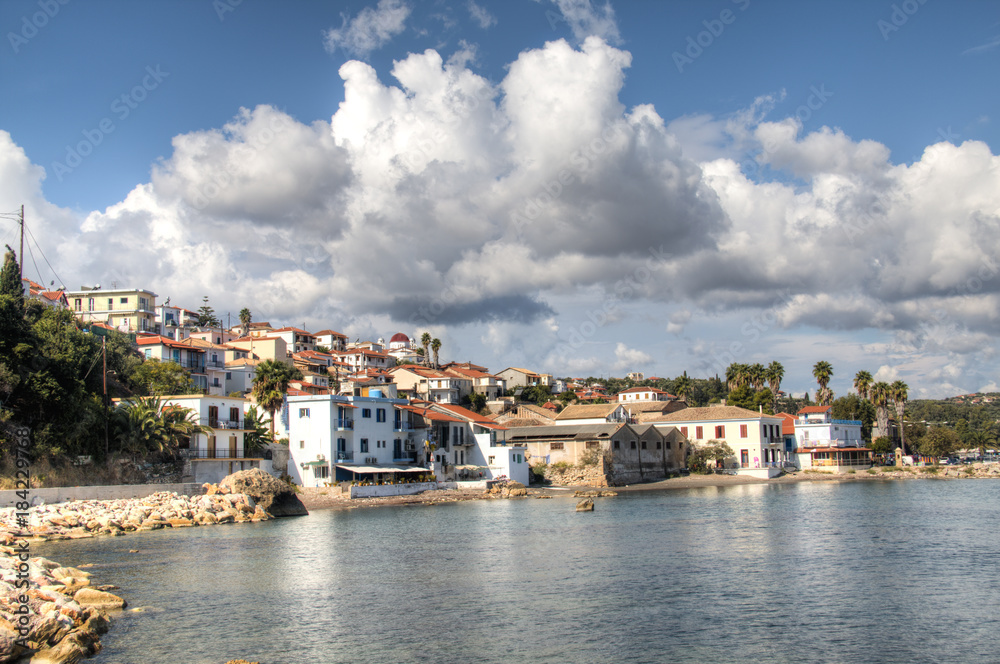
(853, 571)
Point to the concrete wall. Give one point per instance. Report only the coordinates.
(391, 489)
(113, 492)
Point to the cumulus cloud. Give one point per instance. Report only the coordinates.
(630, 358)
(370, 30)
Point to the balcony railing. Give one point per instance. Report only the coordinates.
(216, 423)
(407, 457)
(345, 455)
(401, 426)
(345, 423)
(218, 454)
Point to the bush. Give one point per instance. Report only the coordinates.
(589, 458)
(561, 466)
(872, 471)
(536, 473)
(851, 472)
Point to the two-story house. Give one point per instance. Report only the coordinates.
(829, 444)
(125, 309)
(190, 358)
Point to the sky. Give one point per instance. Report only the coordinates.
(576, 187)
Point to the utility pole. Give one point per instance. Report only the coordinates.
(21, 257)
(104, 353)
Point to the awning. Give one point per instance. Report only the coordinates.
(470, 467)
(381, 469)
(315, 463)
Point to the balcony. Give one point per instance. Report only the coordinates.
(345, 423)
(216, 423)
(217, 454)
(401, 426)
(345, 455)
(406, 458)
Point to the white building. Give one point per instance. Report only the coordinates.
(212, 457)
(828, 444)
(755, 438)
(644, 394)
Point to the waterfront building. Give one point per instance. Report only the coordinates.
(828, 444)
(754, 437)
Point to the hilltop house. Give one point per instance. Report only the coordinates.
(125, 309)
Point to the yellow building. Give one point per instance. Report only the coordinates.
(125, 309)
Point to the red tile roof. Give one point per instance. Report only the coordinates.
(814, 409)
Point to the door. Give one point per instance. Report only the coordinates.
(744, 458)
(232, 446)
(211, 447)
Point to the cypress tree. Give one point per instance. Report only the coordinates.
(10, 278)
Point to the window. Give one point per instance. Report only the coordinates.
(302, 444)
(229, 374)
(617, 445)
(320, 472)
(123, 300)
(380, 415)
(366, 412)
(698, 433)
(303, 412)
(720, 431)
(659, 445)
(668, 444)
(149, 353)
(364, 445)
(555, 446)
(593, 444)
(633, 444)
(234, 414)
(684, 431)
(111, 303)
(643, 445)
(78, 304)
(743, 431)
(491, 460)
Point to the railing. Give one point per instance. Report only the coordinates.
(408, 457)
(841, 462)
(216, 423)
(217, 454)
(402, 426)
(215, 364)
(850, 422)
(344, 423)
(345, 455)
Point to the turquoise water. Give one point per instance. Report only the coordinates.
(810, 572)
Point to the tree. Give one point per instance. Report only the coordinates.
(255, 436)
(436, 347)
(713, 451)
(863, 383)
(898, 393)
(206, 315)
(853, 407)
(477, 401)
(322, 349)
(763, 401)
(939, 441)
(425, 341)
(742, 396)
(882, 445)
(682, 386)
(270, 384)
(10, 278)
(245, 319)
(144, 425)
(162, 378)
(879, 395)
(774, 373)
(823, 372)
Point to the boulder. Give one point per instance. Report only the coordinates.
(585, 505)
(98, 599)
(271, 494)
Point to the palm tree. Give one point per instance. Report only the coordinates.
(879, 394)
(774, 373)
(255, 436)
(863, 383)
(245, 318)
(682, 386)
(144, 425)
(270, 385)
(737, 375)
(822, 372)
(436, 347)
(898, 392)
(756, 375)
(425, 340)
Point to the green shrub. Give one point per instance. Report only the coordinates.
(872, 471)
(536, 473)
(851, 472)
(561, 466)
(589, 458)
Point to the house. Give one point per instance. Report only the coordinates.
(49, 298)
(527, 414)
(263, 347)
(240, 374)
(344, 438)
(215, 335)
(331, 340)
(643, 394)
(828, 444)
(126, 309)
(430, 384)
(515, 377)
(215, 363)
(602, 413)
(211, 457)
(754, 437)
(464, 445)
(608, 454)
(636, 376)
(187, 356)
(482, 382)
(296, 340)
(362, 358)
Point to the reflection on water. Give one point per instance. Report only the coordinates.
(824, 572)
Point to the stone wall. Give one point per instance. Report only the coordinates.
(576, 475)
(108, 492)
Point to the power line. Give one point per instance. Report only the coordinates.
(32, 237)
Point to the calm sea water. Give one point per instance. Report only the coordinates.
(824, 572)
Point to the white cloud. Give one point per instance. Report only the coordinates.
(370, 29)
(481, 15)
(630, 359)
(678, 320)
(586, 20)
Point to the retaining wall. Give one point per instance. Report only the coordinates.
(391, 489)
(109, 492)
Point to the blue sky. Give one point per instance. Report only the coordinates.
(760, 132)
